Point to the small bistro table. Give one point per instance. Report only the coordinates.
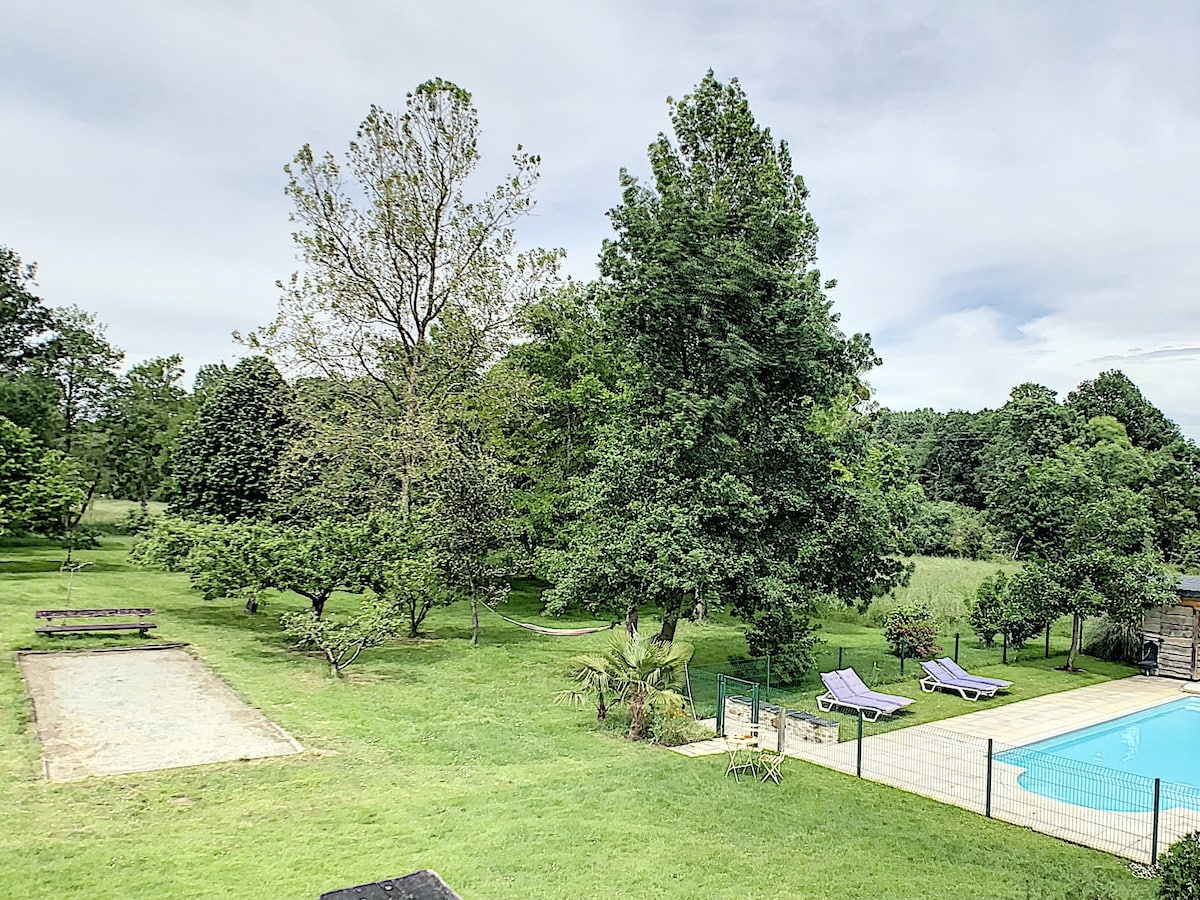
(743, 756)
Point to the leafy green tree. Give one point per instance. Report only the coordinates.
(467, 524)
(1000, 611)
(410, 287)
(548, 397)
(139, 418)
(404, 572)
(227, 455)
(1172, 489)
(233, 560)
(83, 363)
(1100, 582)
(40, 489)
(712, 482)
(346, 458)
(942, 528)
(1113, 394)
(343, 642)
(636, 671)
(1091, 534)
(950, 466)
(1029, 429)
(25, 323)
(244, 559)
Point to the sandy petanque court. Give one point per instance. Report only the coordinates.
(116, 712)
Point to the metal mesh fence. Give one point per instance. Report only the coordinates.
(1128, 815)
(875, 665)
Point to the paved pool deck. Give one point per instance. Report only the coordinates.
(947, 761)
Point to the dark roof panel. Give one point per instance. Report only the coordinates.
(1189, 585)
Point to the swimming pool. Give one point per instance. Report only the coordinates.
(1112, 766)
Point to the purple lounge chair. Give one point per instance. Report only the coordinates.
(938, 676)
(844, 688)
(959, 672)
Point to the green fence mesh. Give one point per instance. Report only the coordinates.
(874, 665)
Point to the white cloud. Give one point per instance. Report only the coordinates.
(1006, 192)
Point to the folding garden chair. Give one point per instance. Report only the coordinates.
(771, 766)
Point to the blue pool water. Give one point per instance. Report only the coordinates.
(1113, 765)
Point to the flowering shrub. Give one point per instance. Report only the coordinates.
(911, 631)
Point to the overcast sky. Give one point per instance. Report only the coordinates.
(1006, 191)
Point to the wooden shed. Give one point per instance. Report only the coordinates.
(1175, 630)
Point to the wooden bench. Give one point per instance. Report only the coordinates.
(51, 615)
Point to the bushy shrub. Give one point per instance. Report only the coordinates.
(168, 544)
(136, 521)
(788, 637)
(911, 631)
(1179, 869)
(674, 730)
(1114, 641)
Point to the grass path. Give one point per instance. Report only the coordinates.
(433, 754)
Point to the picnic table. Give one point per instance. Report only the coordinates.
(72, 617)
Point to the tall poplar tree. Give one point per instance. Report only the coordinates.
(714, 482)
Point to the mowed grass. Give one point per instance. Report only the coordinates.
(434, 754)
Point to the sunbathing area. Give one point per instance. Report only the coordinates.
(1091, 765)
(949, 761)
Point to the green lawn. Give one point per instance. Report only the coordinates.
(433, 754)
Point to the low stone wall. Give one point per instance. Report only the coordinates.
(783, 729)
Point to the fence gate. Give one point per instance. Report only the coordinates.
(729, 686)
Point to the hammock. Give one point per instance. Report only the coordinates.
(553, 632)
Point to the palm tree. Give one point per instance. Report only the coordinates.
(638, 671)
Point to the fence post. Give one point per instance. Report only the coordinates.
(956, 646)
(1154, 824)
(720, 705)
(858, 764)
(768, 677)
(754, 704)
(840, 649)
(902, 648)
(987, 803)
(1047, 656)
(1004, 656)
(781, 731)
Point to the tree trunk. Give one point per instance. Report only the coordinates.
(637, 716)
(601, 707)
(700, 609)
(631, 620)
(671, 615)
(318, 605)
(1076, 628)
(666, 634)
(474, 619)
